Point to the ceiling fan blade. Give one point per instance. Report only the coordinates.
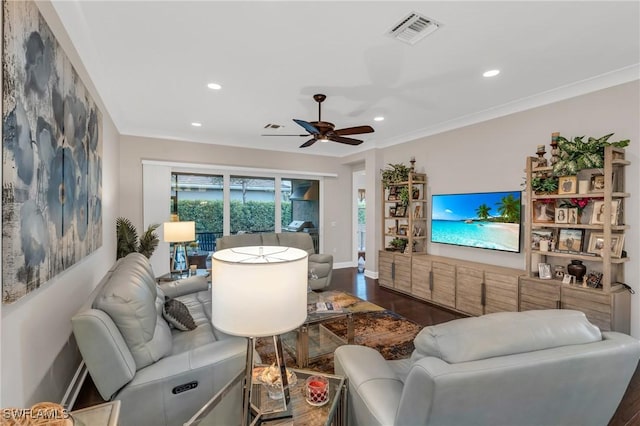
(348, 141)
(308, 143)
(285, 135)
(307, 126)
(354, 130)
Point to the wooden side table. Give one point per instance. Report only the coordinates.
(106, 414)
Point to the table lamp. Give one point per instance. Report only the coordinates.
(179, 233)
(259, 292)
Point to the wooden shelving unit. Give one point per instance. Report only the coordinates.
(607, 306)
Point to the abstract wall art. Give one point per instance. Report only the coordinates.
(51, 156)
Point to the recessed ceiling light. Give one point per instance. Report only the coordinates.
(214, 86)
(378, 118)
(196, 124)
(491, 73)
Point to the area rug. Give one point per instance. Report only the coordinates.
(387, 332)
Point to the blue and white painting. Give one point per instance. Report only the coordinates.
(51, 156)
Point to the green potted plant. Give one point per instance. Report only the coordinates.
(398, 244)
(576, 154)
(127, 239)
(544, 185)
(403, 195)
(395, 173)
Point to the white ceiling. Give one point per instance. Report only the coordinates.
(151, 62)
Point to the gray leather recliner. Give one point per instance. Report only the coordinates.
(548, 367)
(161, 375)
(320, 265)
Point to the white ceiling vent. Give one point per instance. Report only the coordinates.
(413, 28)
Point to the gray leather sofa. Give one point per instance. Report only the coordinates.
(161, 375)
(320, 265)
(510, 368)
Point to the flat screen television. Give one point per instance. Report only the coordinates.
(488, 220)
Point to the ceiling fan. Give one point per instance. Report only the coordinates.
(324, 131)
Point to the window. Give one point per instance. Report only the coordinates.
(252, 204)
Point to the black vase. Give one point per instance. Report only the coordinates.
(577, 269)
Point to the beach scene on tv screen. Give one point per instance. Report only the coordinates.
(489, 220)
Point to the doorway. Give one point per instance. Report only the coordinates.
(359, 220)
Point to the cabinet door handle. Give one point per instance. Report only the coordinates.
(483, 294)
(393, 271)
(430, 280)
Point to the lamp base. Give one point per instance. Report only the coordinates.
(252, 414)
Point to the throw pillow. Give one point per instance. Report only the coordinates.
(177, 314)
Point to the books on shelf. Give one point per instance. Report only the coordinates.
(323, 307)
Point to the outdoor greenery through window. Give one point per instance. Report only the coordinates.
(252, 204)
(200, 198)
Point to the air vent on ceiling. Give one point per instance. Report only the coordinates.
(413, 28)
(273, 126)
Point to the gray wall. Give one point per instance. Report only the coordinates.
(336, 208)
(490, 156)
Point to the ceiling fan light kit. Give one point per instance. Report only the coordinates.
(324, 131)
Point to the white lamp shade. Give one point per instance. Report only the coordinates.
(259, 291)
(179, 232)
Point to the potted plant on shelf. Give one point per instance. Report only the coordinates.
(544, 185)
(398, 244)
(576, 155)
(403, 195)
(395, 173)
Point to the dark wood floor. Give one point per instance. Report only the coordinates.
(423, 313)
(348, 280)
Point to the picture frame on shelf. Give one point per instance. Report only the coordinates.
(562, 214)
(416, 211)
(540, 235)
(544, 271)
(596, 244)
(617, 242)
(570, 240)
(401, 211)
(392, 211)
(543, 212)
(572, 215)
(594, 279)
(597, 214)
(415, 194)
(403, 229)
(567, 185)
(568, 279)
(393, 195)
(596, 183)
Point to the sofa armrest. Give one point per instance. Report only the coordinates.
(104, 351)
(151, 398)
(321, 258)
(374, 388)
(185, 286)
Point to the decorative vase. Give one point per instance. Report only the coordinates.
(577, 269)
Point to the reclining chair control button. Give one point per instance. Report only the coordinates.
(183, 388)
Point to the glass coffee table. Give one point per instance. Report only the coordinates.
(225, 408)
(312, 339)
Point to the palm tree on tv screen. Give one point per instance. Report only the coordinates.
(483, 211)
(509, 208)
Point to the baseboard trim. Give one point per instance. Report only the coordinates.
(73, 390)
